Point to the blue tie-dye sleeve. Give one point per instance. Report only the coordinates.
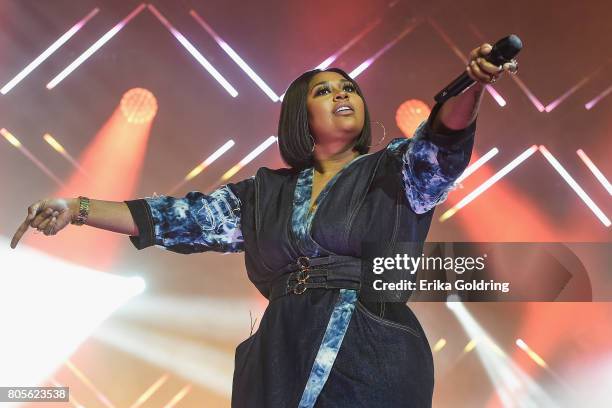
(431, 162)
(195, 223)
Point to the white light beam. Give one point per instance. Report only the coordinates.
(94, 47)
(575, 186)
(596, 172)
(194, 52)
(234, 56)
(47, 53)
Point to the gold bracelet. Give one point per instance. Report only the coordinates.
(83, 211)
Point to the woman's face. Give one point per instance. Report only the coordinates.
(335, 110)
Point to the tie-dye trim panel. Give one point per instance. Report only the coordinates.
(337, 326)
(330, 345)
(425, 183)
(301, 218)
(197, 222)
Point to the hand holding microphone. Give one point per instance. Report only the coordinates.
(486, 63)
(479, 69)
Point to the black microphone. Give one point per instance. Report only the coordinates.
(503, 51)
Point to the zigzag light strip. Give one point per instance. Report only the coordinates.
(572, 90)
(47, 53)
(94, 47)
(492, 180)
(17, 144)
(202, 166)
(89, 384)
(575, 186)
(477, 164)
(329, 60)
(596, 172)
(194, 52)
(179, 396)
(364, 65)
(248, 158)
(235, 57)
(589, 105)
(149, 391)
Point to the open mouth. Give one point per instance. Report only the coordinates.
(344, 109)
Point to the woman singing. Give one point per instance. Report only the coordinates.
(319, 344)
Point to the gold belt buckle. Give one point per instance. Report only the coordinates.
(304, 264)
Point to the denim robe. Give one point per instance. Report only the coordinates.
(322, 348)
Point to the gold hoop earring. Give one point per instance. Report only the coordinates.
(313, 143)
(384, 134)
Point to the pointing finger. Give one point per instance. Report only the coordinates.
(19, 233)
(32, 211)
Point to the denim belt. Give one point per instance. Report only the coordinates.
(328, 272)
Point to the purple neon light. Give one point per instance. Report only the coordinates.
(235, 57)
(598, 98)
(94, 47)
(47, 53)
(194, 52)
(368, 62)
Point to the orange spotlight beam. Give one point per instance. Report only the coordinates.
(113, 159)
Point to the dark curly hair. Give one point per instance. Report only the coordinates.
(293, 130)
